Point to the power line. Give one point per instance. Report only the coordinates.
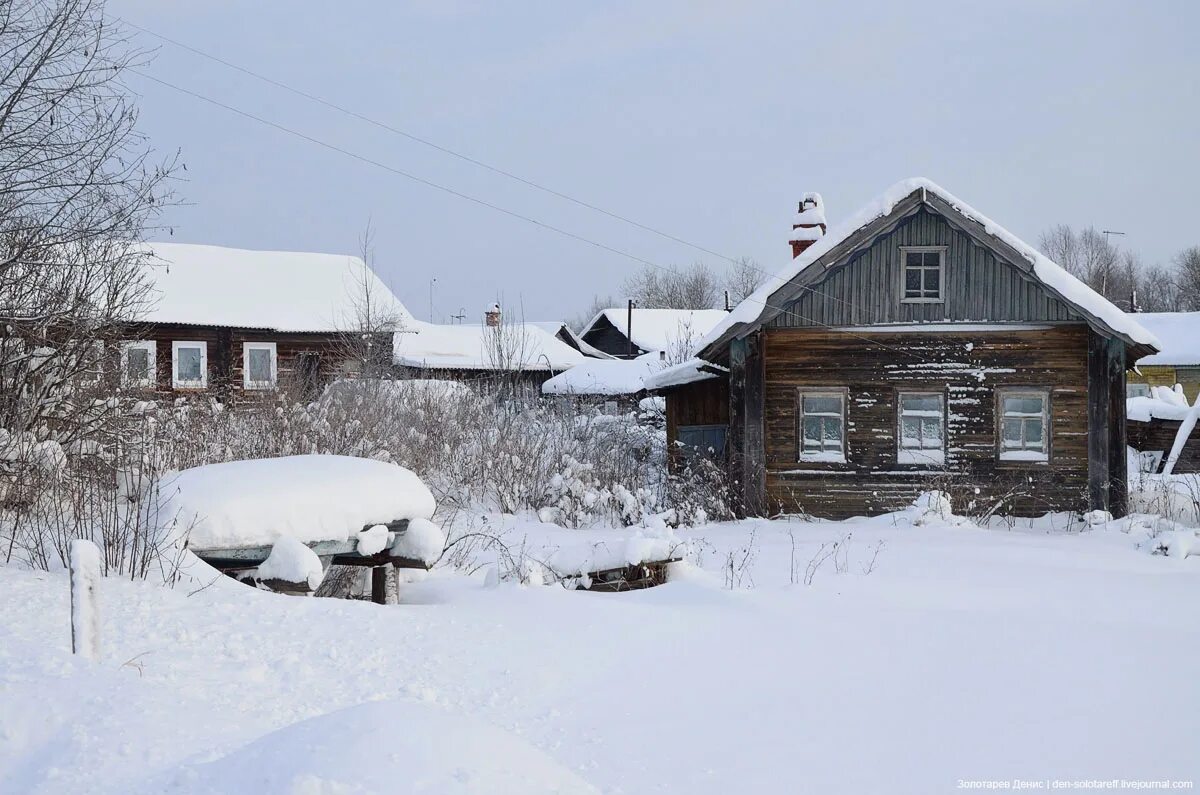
(464, 157)
(484, 202)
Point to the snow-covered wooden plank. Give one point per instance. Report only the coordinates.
(86, 570)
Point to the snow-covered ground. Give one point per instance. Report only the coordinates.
(919, 656)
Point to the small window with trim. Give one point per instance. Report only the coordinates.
(189, 365)
(922, 428)
(1134, 389)
(259, 365)
(1024, 425)
(822, 425)
(923, 269)
(137, 364)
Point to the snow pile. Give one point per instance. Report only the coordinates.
(1179, 543)
(1173, 497)
(308, 498)
(1162, 404)
(606, 376)
(308, 292)
(423, 541)
(373, 540)
(292, 561)
(933, 507)
(812, 210)
(661, 329)
(1179, 335)
(47, 455)
(379, 747)
(646, 545)
(1050, 273)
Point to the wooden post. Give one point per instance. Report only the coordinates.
(379, 585)
(747, 454)
(1099, 399)
(1118, 440)
(629, 327)
(85, 570)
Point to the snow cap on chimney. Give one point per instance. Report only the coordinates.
(492, 316)
(809, 224)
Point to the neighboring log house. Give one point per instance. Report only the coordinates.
(918, 346)
(232, 322)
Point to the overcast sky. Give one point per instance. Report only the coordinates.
(703, 120)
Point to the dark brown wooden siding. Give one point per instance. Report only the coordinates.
(1159, 436)
(967, 367)
(699, 403)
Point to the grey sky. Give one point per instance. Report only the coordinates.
(705, 120)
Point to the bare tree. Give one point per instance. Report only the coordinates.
(1089, 256)
(77, 191)
(1187, 275)
(691, 288)
(742, 278)
(374, 314)
(1158, 290)
(598, 305)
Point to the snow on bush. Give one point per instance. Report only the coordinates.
(1180, 543)
(931, 506)
(292, 561)
(423, 541)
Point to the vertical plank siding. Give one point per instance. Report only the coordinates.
(865, 289)
(967, 367)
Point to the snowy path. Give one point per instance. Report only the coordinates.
(965, 654)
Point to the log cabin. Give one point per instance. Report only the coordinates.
(919, 345)
(235, 323)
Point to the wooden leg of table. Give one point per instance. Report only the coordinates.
(379, 585)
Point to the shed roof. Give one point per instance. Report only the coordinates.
(660, 329)
(233, 287)
(512, 345)
(1179, 335)
(760, 306)
(606, 376)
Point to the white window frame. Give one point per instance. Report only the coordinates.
(928, 456)
(1024, 455)
(175, 380)
(151, 350)
(941, 268)
(1136, 389)
(820, 456)
(259, 346)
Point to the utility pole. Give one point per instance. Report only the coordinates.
(629, 327)
(432, 282)
(1107, 232)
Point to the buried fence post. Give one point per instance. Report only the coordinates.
(85, 614)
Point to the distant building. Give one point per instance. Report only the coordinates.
(675, 331)
(1179, 360)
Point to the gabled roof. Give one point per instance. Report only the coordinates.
(561, 330)
(1179, 333)
(903, 198)
(281, 290)
(660, 329)
(513, 345)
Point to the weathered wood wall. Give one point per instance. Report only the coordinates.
(698, 403)
(866, 289)
(1159, 436)
(967, 367)
(608, 338)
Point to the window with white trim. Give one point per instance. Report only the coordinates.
(1024, 425)
(137, 364)
(259, 365)
(921, 428)
(1134, 389)
(822, 425)
(189, 365)
(922, 270)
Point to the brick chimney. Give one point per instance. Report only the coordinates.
(809, 224)
(492, 316)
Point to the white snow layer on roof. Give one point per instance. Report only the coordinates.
(1048, 271)
(679, 374)
(605, 376)
(281, 290)
(1179, 333)
(663, 329)
(306, 497)
(1163, 403)
(512, 345)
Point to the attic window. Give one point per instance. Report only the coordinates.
(923, 272)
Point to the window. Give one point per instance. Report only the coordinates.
(702, 440)
(1133, 390)
(189, 365)
(923, 273)
(91, 363)
(137, 364)
(922, 428)
(822, 424)
(258, 365)
(1024, 425)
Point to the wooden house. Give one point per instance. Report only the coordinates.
(235, 323)
(918, 346)
(1179, 360)
(628, 333)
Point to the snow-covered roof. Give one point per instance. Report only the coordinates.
(1163, 403)
(308, 498)
(512, 345)
(683, 373)
(605, 376)
(1179, 336)
(281, 290)
(560, 329)
(1050, 273)
(662, 329)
